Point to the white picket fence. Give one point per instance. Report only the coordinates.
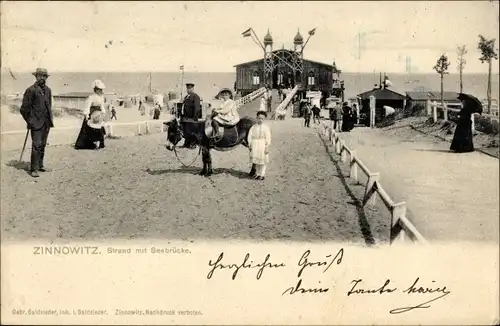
(250, 97)
(281, 110)
(145, 126)
(433, 107)
(401, 227)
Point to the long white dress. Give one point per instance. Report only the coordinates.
(262, 104)
(259, 138)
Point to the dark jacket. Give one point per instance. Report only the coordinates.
(37, 107)
(192, 106)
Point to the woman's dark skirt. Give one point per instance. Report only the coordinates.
(88, 136)
(462, 139)
(347, 123)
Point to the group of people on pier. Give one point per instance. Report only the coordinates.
(343, 118)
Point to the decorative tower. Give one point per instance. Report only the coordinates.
(268, 58)
(298, 65)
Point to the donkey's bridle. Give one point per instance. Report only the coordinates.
(177, 156)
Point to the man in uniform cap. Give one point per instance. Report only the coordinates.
(191, 109)
(36, 110)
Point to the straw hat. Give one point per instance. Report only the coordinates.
(96, 120)
(98, 84)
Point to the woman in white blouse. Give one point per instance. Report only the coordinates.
(92, 133)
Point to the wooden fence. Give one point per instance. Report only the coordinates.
(13, 139)
(442, 111)
(401, 227)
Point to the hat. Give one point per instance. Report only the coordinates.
(226, 90)
(189, 85)
(95, 120)
(41, 71)
(98, 84)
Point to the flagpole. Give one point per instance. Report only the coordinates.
(311, 33)
(255, 35)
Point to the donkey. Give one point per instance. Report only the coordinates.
(200, 132)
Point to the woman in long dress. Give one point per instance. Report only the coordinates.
(262, 104)
(347, 123)
(259, 139)
(462, 139)
(92, 132)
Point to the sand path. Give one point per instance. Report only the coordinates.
(136, 189)
(451, 197)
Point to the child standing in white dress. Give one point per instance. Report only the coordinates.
(259, 139)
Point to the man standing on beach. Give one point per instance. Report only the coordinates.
(191, 109)
(36, 110)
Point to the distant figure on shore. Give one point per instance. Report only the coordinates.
(463, 138)
(316, 112)
(142, 108)
(347, 118)
(36, 110)
(191, 110)
(307, 115)
(336, 116)
(113, 113)
(92, 132)
(262, 104)
(156, 111)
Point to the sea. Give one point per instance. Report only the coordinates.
(209, 83)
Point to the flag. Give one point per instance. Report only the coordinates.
(312, 31)
(247, 32)
(181, 67)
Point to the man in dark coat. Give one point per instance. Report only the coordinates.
(191, 110)
(36, 110)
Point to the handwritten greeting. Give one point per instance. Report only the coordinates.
(356, 286)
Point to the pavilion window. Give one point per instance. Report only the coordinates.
(311, 79)
(256, 78)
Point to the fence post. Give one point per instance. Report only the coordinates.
(343, 151)
(445, 112)
(337, 146)
(434, 111)
(370, 188)
(397, 232)
(354, 167)
(429, 108)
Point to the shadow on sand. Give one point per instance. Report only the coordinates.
(364, 225)
(25, 166)
(196, 171)
(434, 150)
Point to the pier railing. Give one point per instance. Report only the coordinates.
(250, 97)
(281, 110)
(401, 227)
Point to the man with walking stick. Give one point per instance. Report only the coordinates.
(37, 112)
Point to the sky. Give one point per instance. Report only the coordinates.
(400, 37)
